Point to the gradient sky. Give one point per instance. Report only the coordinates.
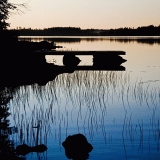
(97, 14)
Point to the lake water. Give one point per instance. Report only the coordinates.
(117, 111)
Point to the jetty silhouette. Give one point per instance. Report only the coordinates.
(24, 63)
(102, 60)
(31, 67)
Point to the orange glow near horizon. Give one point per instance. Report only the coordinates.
(97, 14)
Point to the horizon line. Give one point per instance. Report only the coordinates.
(80, 27)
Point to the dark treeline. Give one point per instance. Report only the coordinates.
(73, 31)
(57, 31)
(140, 31)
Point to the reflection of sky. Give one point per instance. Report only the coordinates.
(118, 113)
(142, 59)
(100, 105)
(58, 60)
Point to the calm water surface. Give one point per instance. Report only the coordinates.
(117, 111)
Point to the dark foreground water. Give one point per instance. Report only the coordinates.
(117, 111)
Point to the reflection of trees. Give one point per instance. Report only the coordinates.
(6, 145)
(146, 40)
(64, 40)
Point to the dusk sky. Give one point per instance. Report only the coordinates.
(97, 14)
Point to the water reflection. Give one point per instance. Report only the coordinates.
(116, 111)
(7, 146)
(122, 39)
(51, 39)
(143, 40)
(104, 106)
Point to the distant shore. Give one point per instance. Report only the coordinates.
(75, 31)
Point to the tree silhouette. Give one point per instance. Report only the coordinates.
(6, 146)
(7, 150)
(6, 9)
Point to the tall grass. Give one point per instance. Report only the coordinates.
(87, 102)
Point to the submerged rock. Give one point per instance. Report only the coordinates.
(77, 147)
(25, 149)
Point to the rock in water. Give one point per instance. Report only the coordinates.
(71, 60)
(77, 147)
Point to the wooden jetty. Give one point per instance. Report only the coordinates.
(102, 60)
(53, 52)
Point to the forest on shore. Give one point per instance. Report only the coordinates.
(76, 31)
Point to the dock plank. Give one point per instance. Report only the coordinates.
(95, 68)
(81, 52)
